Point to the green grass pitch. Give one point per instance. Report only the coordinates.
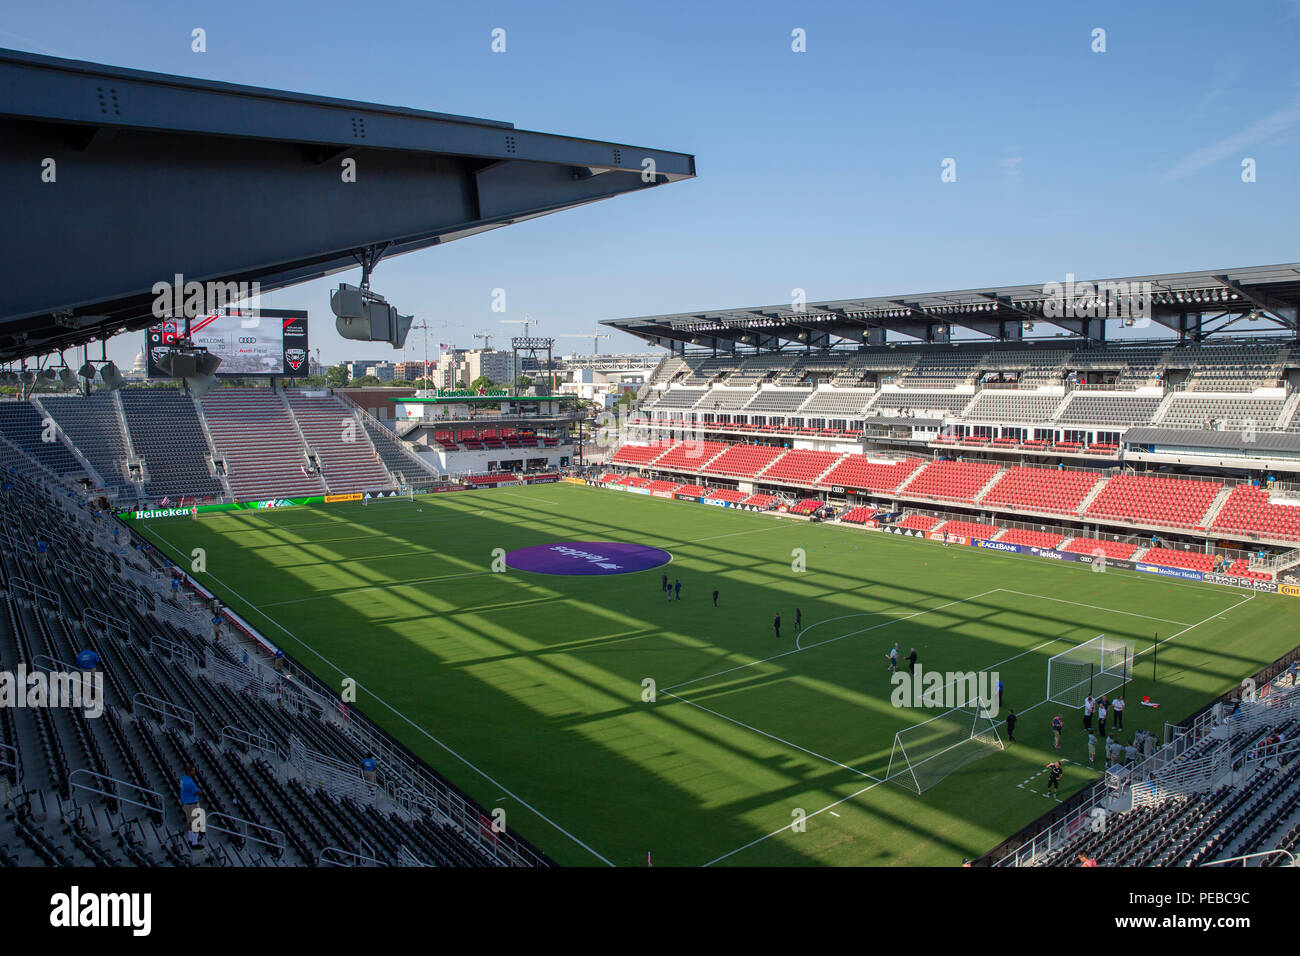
(526, 689)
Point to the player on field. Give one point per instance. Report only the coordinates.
(911, 662)
(776, 625)
(715, 597)
(798, 621)
(678, 585)
(1057, 726)
(1054, 773)
(1089, 705)
(893, 659)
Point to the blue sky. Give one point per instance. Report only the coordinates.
(818, 170)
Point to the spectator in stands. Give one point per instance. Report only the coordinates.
(368, 768)
(1057, 726)
(1117, 709)
(1085, 860)
(189, 794)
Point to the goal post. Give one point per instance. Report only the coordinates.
(1091, 669)
(925, 753)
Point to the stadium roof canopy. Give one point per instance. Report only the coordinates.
(117, 179)
(1197, 305)
(1232, 439)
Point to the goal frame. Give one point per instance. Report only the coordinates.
(1089, 676)
(982, 725)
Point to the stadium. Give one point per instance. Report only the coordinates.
(999, 577)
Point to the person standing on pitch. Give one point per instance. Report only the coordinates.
(1054, 773)
(715, 597)
(1088, 706)
(893, 659)
(678, 582)
(911, 662)
(1092, 748)
(798, 622)
(776, 625)
(1057, 726)
(1011, 726)
(1101, 716)
(665, 585)
(1117, 708)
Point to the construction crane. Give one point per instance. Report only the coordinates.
(595, 339)
(526, 321)
(486, 337)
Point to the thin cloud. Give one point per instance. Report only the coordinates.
(1234, 146)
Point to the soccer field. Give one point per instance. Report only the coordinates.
(526, 689)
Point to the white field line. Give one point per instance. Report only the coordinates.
(486, 776)
(780, 740)
(1025, 710)
(832, 640)
(1095, 607)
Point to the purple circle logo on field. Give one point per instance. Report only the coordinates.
(587, 557)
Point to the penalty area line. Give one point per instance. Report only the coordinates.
(780, 740)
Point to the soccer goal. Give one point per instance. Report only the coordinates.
(1091, 669)
(926, 753)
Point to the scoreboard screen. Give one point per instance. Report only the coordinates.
(249, 342)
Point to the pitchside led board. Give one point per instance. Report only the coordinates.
(249, 342)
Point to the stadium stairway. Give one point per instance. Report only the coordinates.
(348, 460)
(254, 434)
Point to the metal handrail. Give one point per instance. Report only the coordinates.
(73, 782)
(245, 834)
(167, 708)
(361, 858)
(1250, 856)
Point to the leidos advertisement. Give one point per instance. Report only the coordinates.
(249, 342)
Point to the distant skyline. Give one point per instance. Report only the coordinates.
(819, 170)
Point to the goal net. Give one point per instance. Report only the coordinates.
(1091, 669)
(926, 753)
